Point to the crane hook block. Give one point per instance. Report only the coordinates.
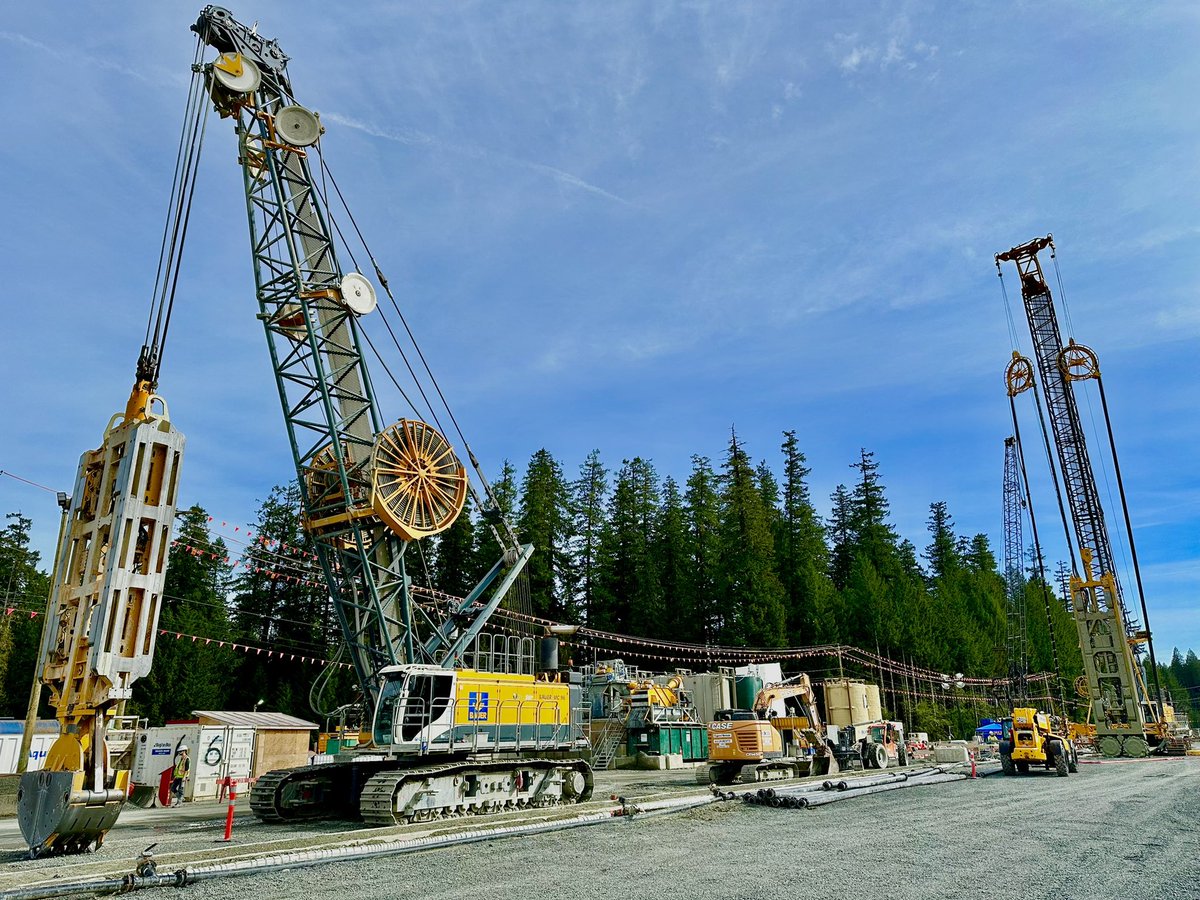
(418, 485)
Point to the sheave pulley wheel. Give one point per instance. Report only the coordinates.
(418, 485)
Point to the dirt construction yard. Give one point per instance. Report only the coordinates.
(1116, 829)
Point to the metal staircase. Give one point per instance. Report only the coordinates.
(605, 744)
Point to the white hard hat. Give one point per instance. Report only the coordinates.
(183, 748)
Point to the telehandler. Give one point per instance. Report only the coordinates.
(1030, 737)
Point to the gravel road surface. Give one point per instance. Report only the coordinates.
(1116, 829)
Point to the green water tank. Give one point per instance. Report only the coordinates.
(745, 689)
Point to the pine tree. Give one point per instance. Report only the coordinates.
(589, 495)
(629, 596)
(869, 512)
(456, 561)
(545, 521)
(25, 589)
(672, 553)
(281, 604)
(983, 593)
(942, 553)
(768, 486)
(190, 674)
(704, 613)
(748, 583)
(880, 596)
(841, 531)
(800, 551)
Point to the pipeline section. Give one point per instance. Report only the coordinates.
(808, 796)
(626, 811)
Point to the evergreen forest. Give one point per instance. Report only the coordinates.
(737, 555)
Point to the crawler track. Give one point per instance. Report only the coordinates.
(381, 793)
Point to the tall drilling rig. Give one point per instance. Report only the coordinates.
(1017, 641)
(1127, 723)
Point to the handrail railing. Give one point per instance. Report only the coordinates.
(438, 725)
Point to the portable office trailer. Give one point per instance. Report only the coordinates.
(217, 752)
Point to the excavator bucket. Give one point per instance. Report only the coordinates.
(57, 814)
(825, 764)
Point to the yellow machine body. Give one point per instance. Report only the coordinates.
(1030, 730)
(1034, 738)
(431, 710)
(760, 745)
(747, 741)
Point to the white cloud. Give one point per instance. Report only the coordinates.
(855, 54)
(1181, 321)
(417, 138)
(87, 60)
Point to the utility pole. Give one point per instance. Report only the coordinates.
(35, 690)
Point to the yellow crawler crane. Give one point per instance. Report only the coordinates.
(1033, 738)
(100, 634)
(501, 721)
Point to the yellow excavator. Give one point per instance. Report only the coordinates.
(102, 623)
(760, 745)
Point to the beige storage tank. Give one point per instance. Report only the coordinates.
(874, 708)
(710, 692)
(851, 702)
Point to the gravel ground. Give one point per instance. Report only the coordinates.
(1113, 830)
(1116, 829)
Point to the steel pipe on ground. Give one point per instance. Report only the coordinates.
(296, 859)
(824, 798)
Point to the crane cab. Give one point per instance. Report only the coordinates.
(425, 710)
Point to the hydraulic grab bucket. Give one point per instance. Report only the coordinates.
(99, 636)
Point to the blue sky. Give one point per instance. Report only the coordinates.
(632, 226)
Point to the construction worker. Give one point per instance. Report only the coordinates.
(183, 766)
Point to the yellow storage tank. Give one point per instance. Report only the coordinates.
(847, 702)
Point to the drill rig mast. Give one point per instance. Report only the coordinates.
(1126, 723)
(1017, 643)
(428, 676)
